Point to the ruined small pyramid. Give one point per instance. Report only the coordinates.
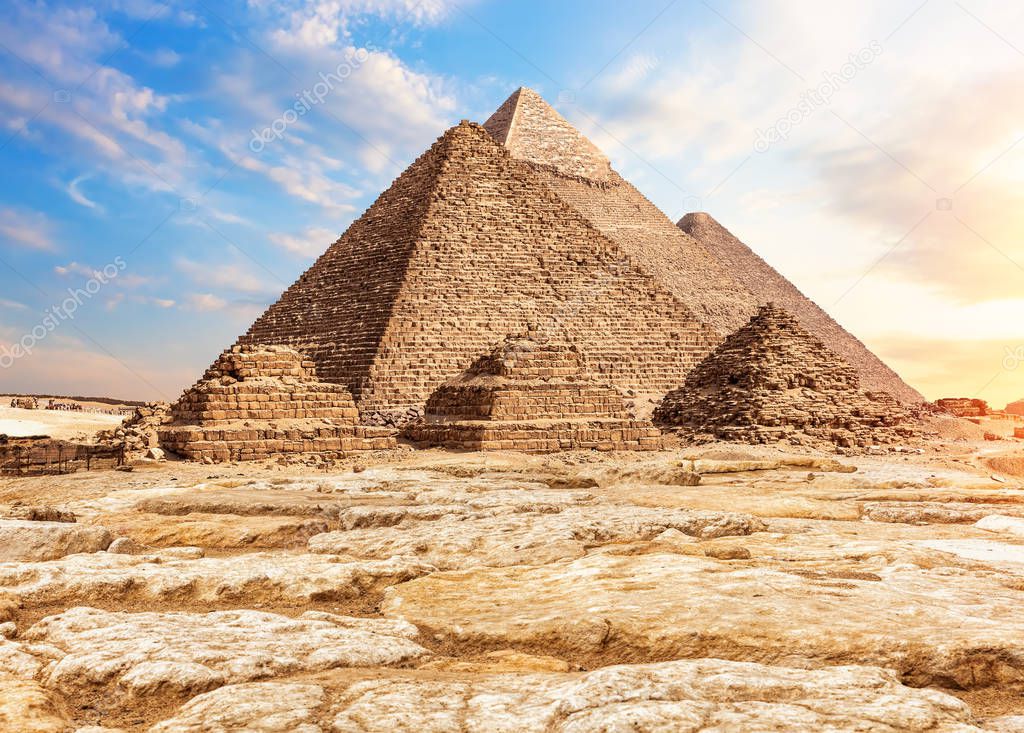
(1015, 408)
(771, 380)
(259, 401)
(767, 284)
(530, 394)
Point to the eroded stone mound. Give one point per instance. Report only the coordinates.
(771, 381)
(964, 406)
(256, 402)
(530, 394)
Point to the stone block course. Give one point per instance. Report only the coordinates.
(533, 395)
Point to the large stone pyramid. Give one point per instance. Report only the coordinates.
(467, 246)
(495, 228)
(772, 381)
(530, 394)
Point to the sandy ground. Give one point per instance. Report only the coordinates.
(17, 422)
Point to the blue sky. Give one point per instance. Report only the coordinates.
(127, 134)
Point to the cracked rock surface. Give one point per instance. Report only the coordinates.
(725, 588)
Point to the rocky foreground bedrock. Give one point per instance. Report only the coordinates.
(719, 589)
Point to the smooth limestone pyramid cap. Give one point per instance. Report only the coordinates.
(531, 129)
(767, 284)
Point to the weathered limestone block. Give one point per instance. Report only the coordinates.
(772, 381)
(26, 707)
(510, 539)
(672, 696)
(27, 541)
(251, 578)
(185, 654)
(945, 627)
(257, 402)
(530, 394)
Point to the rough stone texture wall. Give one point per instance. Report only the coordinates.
(964, 406)
(257, 402)
(619, 211)
(44, 456)
(530, 394)
(140, 432)
(337, 311)
(772, 381)
(769, 286)
(494, 252)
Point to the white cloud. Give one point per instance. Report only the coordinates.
(205, 302)
(244, 310)
(12, 304)
(225, 275)
(77, 196)
(310, 243)
(28, 229)
(325, 22)
(165, 58)
(106, 116)
(304, 180)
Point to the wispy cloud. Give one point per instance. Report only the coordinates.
(231, 276)
(27, 229)
(310, 243)
(204, 302)
(76, 194)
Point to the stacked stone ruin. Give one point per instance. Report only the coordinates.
(257, 402)
(964, 406)
(771, 381)
(530, 394)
